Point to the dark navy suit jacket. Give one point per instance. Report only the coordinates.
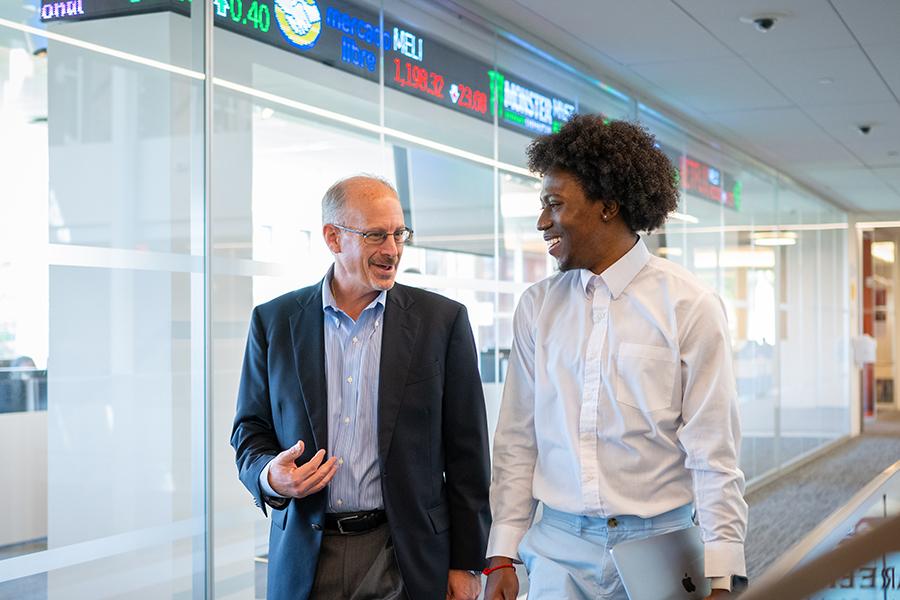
(432, 435)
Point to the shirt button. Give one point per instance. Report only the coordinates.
(354, 339)
(611, 523)
(350, 379)
(339, 502)
(346, 419)
(340, 461)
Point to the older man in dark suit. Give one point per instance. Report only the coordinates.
(361, 422)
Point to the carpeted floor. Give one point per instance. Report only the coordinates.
(783, 512)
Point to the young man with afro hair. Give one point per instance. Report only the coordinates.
(619, 412)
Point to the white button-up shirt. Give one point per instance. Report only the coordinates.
(620, 400)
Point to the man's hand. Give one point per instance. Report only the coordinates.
(292, 481)
(502, 584)
(462, 585)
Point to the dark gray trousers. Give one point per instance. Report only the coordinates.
(358, 567)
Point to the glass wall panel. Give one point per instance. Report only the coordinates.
(101, 297)
(268, 181)
(835, 329)
(799, 418)
(730, 222)
(749, 294)
(811, 354)
(671, 240)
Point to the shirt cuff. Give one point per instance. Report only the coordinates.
(504, 541)
(724, 559)
(264, 483)
(720, 583)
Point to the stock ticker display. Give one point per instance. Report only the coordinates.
(348, 37)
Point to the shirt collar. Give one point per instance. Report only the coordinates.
(619, 274)
(328, 301)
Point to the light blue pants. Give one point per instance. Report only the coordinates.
(567, 556)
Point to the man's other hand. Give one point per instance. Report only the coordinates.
(463, 585)
(292, 481)
(502, 584)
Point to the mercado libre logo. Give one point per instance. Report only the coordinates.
(300, 22)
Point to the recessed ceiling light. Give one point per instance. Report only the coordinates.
(774, 238)
(669, 251)
(684, 217)
(826, 80)
(883, 251)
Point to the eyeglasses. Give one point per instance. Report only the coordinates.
(376, 238)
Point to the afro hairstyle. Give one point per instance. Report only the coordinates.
(612, 161)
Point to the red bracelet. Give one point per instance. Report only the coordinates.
(490, 570)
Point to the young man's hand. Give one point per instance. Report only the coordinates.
(502, 584)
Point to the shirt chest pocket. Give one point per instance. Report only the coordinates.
(645, 377)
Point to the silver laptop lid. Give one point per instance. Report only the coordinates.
(663, 567)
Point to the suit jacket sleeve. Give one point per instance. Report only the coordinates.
(467, 459)
(253, 435)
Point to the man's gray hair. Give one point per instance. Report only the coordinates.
(336, 196)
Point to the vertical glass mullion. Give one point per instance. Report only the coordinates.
(497, 216)
(776, 364)
(202, 56)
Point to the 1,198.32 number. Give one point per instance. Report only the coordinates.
(409, 75)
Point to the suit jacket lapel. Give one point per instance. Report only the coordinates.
(308, 336)
(401, 326)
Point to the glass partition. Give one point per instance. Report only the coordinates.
(769, 250)
(101, 297)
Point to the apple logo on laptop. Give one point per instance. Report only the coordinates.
(688, 584)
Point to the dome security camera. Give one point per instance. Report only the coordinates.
(764, 24)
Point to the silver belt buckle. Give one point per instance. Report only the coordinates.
(340, 523)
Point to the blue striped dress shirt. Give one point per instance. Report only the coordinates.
(352, 361)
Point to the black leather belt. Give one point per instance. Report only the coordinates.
(355, 522)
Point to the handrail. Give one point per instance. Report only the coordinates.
(817, 574)
(808, 564)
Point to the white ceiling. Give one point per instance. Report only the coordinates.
(760, 92)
